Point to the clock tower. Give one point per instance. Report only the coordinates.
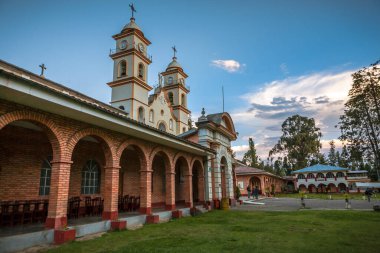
(176, 92)
(131, 61)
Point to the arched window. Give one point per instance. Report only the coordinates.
(90, 178)
(339, 174)
(310, 175)
(45, 177)
(171, 124)
(183, 100)
(151, 115)
(162, 127)
(170, 95)
(141, 116)
(320, 175)
(141, 71)
(122, 68)
(301, 176)
(183, 129)
(170, 80)
(330, 175)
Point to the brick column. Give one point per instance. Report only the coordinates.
(201, 189)
(59, 191)
(146, 191)
(111, 191)
(170, 190)
(189, 190)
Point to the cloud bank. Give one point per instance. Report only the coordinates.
(318, 95)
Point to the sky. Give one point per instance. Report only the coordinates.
(273, 58)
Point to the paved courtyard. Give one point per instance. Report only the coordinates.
(293, 204)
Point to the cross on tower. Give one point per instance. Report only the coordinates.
(42, 66)
(174, 51)
(132, 9)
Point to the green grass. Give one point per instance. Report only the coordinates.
(358, 196)
(241, 231)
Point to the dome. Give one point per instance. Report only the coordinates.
(174, 64)
(131, 25)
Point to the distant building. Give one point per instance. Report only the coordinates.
(325, 178)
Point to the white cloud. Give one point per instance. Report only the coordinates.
(319, 95)
(230, 66)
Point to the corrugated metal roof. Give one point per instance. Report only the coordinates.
(320, 168)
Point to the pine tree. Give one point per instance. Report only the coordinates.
(332, 159)
(250, 157)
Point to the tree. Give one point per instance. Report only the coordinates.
(250, 157)
(299, 142)
(360, 123)
(344, 160)
(332, 156)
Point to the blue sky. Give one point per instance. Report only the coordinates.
(274, 58)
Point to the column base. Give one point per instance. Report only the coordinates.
(110, 215)
(152, 219)
(177, 214)
(145, 210)
(189, 204)
(64, 235)
(117, 225)
(170, 207)
(56, 223)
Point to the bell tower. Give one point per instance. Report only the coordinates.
(176, 91)
(130, 72)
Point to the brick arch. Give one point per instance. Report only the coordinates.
(196, 159)
(177, 156)
(167, 156)
(106, 143)
(141, 150)
(51, 129)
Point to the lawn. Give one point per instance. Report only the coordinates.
(241, 231)
(358, 196)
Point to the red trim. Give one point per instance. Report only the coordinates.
(170, 207)
(177, 214)
(146, 210)
(62, 236)
(152, 219)
(118, 224)
(55, 223)
(110, 215)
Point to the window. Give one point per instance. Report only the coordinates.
(162, 127)
(171, 124)
(183, 100)
(141, 116)
(339, 174)
(310, 175)
(122, 68)
(45, 177)
(151, 116)
(183, 129)
(141, 70)
(122, 107)
(170, 80)
(301, 176)
(320, 175)
(90, 178)
(170, 95)
(330, 175)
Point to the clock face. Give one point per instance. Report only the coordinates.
(123, 44)
(141, 47)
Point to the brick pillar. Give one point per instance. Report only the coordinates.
(111, 191)
(146, 191)
(59, 191)
(201, 189)
(189, 190)
(170, 190)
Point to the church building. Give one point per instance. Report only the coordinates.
(65, 155)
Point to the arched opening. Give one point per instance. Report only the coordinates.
(170, 80)
(141, 114)
(321, 188)
(198, 183)
(255, 182)
(301, 176)
(160, 167)
(320, 176)
(162, 126)
(141, 73)
(183, 100)
(151, 116)
(290, 186)
(342, 187)
(223, 180)
(131, 161)
(302, 188)
(310, 176)
(171, 100)
(331, 188)
(330, 175)
(181, 171)
(339, 174)
(312, 189)
(122, 68)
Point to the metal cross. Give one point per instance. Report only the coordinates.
(132, 9)
(174, 50)
(42, 66)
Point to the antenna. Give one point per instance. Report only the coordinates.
(223, 96)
